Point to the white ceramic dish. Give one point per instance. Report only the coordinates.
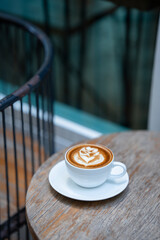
(60, 181)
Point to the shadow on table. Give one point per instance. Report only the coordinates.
(90, 204)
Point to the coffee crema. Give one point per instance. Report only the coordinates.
(89, 156)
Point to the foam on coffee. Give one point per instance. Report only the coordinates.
(89, 156)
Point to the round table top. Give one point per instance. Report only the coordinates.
(133, 214)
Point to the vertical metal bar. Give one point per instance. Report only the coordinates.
(127, 83)
(29, 56)
(25, 55)
(81, 53)
(48, 115)
(21, 52)
(42, 94)
(139, 34)
(46, 16)
(38, 127)
(52, 110)
(39, 95)
(43, 120)
(24, 157)
(16, 169)
(15, 47)
(66, 50)
(31, 133)
(6, 172)
(24, 147)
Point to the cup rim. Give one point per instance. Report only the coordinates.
(88, 169)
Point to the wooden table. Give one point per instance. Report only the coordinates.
(133, 214)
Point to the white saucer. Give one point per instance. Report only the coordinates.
(59, 179)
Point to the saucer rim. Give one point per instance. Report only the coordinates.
(83, 199)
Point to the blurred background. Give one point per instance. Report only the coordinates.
(103, 55)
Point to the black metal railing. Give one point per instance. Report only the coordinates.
(26, 116)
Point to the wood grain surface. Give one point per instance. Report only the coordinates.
(133, 214)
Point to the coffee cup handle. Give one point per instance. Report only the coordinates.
(118, 175)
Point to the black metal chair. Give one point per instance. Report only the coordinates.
(26, 116)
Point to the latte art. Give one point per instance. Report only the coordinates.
(88, 153)
(89, 156)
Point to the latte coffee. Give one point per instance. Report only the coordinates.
(89, 156)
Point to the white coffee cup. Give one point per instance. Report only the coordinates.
(94, 177)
